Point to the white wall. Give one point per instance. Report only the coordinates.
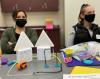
(34, 18)
(1, 18)
(72, 8)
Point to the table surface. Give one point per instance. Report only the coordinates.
(30, 71)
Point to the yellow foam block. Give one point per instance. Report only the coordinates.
(98, 58)
(85, 70)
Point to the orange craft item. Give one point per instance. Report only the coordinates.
(21, 65)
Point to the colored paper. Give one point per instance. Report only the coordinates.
(85, 70)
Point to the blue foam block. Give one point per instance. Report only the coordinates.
(10, 63)
(88, 61)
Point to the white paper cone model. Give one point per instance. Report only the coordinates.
(44, 41)
(23, 42)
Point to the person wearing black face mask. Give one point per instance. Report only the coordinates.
(10, 36)
(85, 30)
(21, 22)
(90, 17)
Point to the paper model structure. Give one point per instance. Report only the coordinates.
(44, 45)
(23, 48)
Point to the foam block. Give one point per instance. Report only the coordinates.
(4, 61)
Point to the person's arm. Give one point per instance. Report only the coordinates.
(5, 47)
(70, 38)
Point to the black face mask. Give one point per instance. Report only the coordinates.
(21, 22)
(90, 17)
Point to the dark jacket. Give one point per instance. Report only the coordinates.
(9, 35)
(82, 34)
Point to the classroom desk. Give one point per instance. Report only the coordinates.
(33, 66)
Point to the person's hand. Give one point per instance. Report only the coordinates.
(10, 43)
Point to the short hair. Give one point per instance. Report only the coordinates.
(15, 12)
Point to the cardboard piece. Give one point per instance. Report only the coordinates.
(23, 42)
(41, 51)
(25, 54)
(44, 45)
(23, 48)
(44, 40)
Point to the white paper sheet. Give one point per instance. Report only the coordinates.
(81, 76)
(44, 40)
(23, 42)
(41, 51)
(25, 54)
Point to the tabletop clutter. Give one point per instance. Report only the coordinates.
(87, 53)
(19, 65)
